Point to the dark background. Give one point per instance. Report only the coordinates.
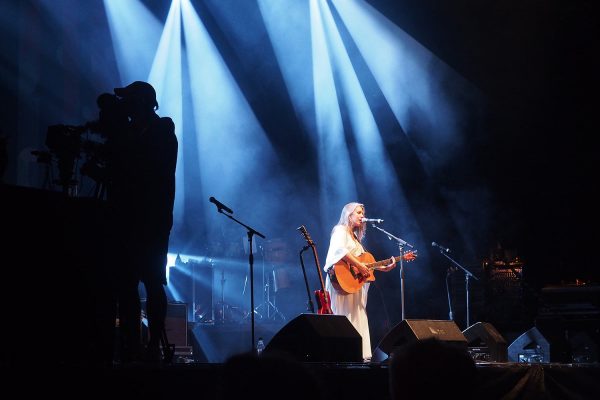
(534, 60)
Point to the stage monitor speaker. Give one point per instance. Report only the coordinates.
(486, 343)
(574, 336)
(411, 330)
(316, 337)
(530, 347)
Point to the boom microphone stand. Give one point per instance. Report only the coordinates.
(251, 232)
(468, 274)
(401, 244)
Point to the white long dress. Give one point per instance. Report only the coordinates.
(354, 305)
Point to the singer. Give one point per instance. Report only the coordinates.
(345, 245)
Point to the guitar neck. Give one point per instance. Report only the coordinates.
(318, 267)
(378, 264)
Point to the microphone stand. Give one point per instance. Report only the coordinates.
(310, 304)
(401, 244)
(251, 233)
(468, 275)
(450, 314)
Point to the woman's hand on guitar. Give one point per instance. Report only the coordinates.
(360, 269)
(366, 272)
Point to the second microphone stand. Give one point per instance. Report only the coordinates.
(401, 245)
(468, 275)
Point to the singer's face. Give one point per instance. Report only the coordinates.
(356, 217)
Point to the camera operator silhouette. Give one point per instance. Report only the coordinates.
(112, 125)
(142, 158)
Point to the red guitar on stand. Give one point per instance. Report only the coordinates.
(322, 296)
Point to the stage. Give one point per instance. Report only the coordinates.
(58, 315)
(335, 380)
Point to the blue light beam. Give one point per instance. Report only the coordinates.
(412, 79)
(166, 77)
(375, 162)
(335, 170)
(234, 151)
(135, 34)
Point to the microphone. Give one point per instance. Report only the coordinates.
(375, 220)
(220, 206)
(442, 248)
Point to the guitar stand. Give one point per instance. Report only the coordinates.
(309, 304)
(322, 296)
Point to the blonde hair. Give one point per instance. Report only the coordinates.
(345, 219)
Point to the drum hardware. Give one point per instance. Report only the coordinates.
(223, 308)
(268, 307)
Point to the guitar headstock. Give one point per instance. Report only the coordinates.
(304, 233)
(410, 255)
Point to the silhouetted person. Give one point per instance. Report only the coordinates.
(141, 192)
(267, 377)
(432, 369)
(3, 155)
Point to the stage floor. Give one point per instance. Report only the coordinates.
(335, 380)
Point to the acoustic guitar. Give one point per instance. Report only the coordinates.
(346, 279)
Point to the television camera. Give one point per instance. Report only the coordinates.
(90, 142)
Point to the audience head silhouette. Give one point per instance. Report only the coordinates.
(267, 377)
(432, 369)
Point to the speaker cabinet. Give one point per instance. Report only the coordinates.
(411, 330)
(486, 343)
(176, 325)
(530, 347)
(315, 337)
